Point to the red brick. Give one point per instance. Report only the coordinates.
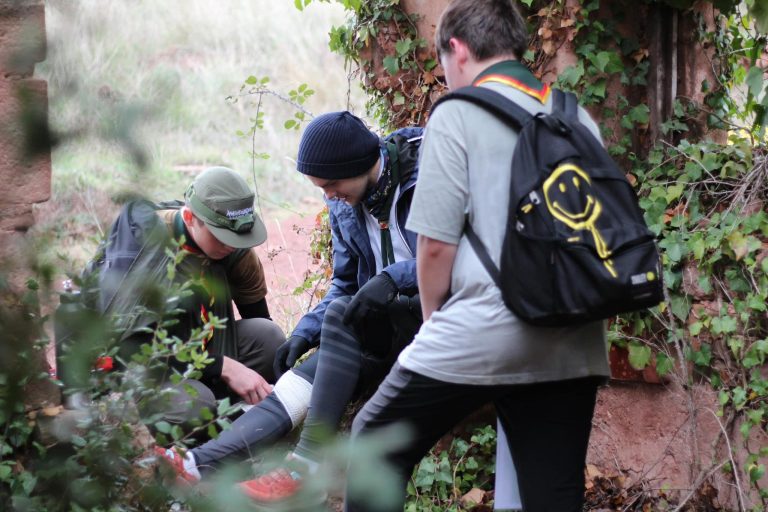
(24, 180)
(22, 36)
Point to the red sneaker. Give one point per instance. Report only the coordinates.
(173, 459)
(280, 484)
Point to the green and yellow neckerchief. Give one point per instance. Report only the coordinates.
(514, 74)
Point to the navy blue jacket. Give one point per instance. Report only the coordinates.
(353, 259)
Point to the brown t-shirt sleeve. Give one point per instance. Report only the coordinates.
(246, 279)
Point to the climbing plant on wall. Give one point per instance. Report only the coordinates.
(703, 185)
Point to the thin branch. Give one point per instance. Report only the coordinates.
(263, 90)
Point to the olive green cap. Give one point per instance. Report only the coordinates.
(223, 200)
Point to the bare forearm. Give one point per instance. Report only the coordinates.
(434, 263)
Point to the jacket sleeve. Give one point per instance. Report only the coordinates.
(343, 283)
(403, 273)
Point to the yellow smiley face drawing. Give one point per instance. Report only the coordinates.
(568, 194)
(569, 197)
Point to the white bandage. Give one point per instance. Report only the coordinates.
(294, 393)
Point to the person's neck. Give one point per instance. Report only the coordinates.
(474, 67)
(374, 174)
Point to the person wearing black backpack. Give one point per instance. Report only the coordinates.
(471, 348)
(218, 227)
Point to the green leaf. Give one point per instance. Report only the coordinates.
(5, 472)
(640, 114)
(703, 356)
(598, 88)
(724, 324)
(754, 80)
(680, 308)
(600, 60)
(674, 192)
(739, 397)
(403, 46)
(290, 124)
(398, 99)
(206, 414)
(759, 11)
(675, 252)
(664, 364)
(163, 426)
(698, 247)
(391, 64)
(755, 416)
(639, 356)
(695, 328)
(756, 471)
(251, 80)
(756, 302)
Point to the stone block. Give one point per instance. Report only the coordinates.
(26, 180)
(22, 36)
(16, 217)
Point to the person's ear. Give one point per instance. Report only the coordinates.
(187, 216)
(460, 51)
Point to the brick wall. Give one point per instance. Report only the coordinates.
(24, 179)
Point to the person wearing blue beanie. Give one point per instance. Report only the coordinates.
(337, 145)
(370, 312)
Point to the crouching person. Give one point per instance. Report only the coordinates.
(369, 314)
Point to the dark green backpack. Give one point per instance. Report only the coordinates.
(122, 282)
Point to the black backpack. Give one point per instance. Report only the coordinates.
(576, 247)
(133, 257)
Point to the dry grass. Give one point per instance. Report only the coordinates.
(151, 78)
(155, 76)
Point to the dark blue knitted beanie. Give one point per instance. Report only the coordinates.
(337, 145)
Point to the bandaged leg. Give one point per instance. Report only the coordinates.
(294, 393)
(264, 424)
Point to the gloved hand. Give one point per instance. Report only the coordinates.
(405, 315)
(287, 354)
(372, 299)
(405, 307)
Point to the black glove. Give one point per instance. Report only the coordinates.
(372, 299)
(406, 308)
(405, 315)
(287, 354)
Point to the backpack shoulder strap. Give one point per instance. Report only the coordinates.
(567, 103)
(513, 115)
(482, 253)
(173, 204)
(493, 102)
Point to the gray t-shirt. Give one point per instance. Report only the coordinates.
(474, 339)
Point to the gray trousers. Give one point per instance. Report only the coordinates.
(258, 339)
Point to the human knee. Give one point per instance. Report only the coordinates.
(267, 333)
(359, 424)
(188, 399)
(338, 306)
(294, 393)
